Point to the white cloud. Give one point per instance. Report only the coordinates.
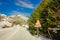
(17, 13)
(25, 4)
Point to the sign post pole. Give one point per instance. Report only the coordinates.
(37, 25)
(37, 31)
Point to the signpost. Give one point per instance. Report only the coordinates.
(37, 25)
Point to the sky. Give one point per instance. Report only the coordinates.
(25, 7)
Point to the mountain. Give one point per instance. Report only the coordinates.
(9, 21)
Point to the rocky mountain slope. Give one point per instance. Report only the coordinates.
(9, 21)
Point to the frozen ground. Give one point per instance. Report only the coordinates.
(17, 33)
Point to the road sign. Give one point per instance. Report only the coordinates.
(37, 24)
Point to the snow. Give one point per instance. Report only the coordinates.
(25, 25)
(2, 15)
(16, 33)
(8, 20)
(5, 23)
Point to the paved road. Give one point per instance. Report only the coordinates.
(16, 33)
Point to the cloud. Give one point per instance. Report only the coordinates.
(17, 13)
(25, 4)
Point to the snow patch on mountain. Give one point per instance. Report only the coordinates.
(9, 21)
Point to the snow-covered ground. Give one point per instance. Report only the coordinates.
(17, 33)
(5, 23)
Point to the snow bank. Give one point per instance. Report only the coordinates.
(5, 23)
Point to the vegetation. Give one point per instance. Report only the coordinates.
(48, 12)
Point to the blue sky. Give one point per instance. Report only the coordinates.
(10, 7)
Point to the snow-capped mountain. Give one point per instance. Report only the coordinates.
(9, 21)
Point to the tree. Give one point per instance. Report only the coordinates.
(47, 13)
(38, 14)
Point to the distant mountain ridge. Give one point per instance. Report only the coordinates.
(8, 21)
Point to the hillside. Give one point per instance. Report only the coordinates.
(9, 21)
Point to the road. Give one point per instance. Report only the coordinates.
(16, 33)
